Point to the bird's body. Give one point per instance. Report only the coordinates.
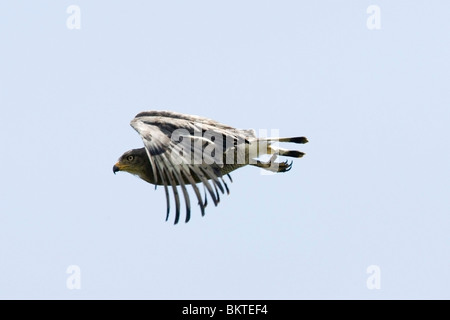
(147, 174)
(182, 150)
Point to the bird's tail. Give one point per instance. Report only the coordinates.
(271, 165)
(285, 152)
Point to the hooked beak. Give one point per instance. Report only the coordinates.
(116, 168)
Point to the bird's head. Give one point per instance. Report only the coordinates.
(134, 161)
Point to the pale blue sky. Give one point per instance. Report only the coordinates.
(373, 188)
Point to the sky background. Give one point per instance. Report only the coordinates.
(372, 190)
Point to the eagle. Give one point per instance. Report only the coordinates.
(181, 150)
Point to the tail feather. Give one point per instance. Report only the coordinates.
(292, 139)
(291, 153)
(286, 152)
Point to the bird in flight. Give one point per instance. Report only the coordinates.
(181, 150)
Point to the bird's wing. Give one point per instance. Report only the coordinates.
(179, 149)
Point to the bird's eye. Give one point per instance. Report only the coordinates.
(130, 158)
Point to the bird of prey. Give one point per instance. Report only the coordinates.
(181, 150)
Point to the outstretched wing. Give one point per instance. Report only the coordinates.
(176, 145)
